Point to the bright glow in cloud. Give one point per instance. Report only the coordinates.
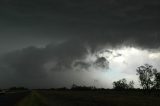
(124, 61)
(122, 64)
(154, 55)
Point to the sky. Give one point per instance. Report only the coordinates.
(57, 43)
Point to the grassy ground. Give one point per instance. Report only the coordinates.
(90, 98)
(99, 98)
(34, 99)
(11, 98)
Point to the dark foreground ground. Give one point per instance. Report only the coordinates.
(11, 98)
(101, 98)
(81, 98)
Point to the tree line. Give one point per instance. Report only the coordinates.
(148, 76)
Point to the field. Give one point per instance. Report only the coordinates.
(80, 98)
(100, 98)
(11, 98)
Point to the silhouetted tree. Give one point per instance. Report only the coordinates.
(131, 85)
(146, 75)
(61, 89)
(122, 84)
(157, 80)
(18, 88)
(76, 87)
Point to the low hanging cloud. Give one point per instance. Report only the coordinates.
(63, 57)
(33, 63)
(102, 62)
(82, 65)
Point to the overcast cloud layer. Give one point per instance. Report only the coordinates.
(39, 37)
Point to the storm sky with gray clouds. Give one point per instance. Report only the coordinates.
(56, 43)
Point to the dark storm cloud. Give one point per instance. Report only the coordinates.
(33, 58)
(93, 21)
(73, 26)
